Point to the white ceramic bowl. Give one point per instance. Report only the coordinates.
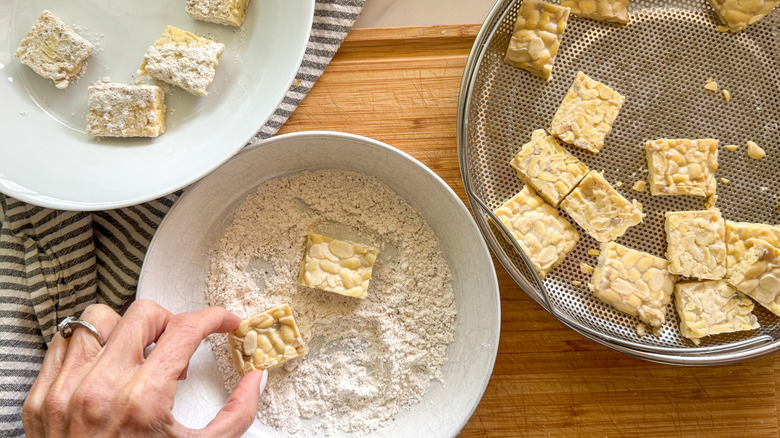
(176, 265)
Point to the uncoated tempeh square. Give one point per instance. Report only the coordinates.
(740, 237)
(739, 14)
(227, 12)
(54, 50)
(183, 59)
(696, 244)
(712, 307)
(633, 282)
(606, 10)
(266, 340)
(682, 167)
(120, 110)
(545, 237)
(337, 266)
(758, 275)
(537, 34)
(587, 113)
(547, 167)
(600, 210)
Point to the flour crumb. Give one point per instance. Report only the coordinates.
(754, 151)
(367, 359)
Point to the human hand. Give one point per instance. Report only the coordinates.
(85, 390)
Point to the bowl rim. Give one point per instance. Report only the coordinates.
(378, 145)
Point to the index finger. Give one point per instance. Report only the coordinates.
(178, 343)
(32, 411)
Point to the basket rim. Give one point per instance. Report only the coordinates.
(722, 354)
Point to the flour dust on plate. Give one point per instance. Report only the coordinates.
(368, 358)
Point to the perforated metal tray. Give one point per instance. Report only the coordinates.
(660, 61)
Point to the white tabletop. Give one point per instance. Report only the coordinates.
(395, 13)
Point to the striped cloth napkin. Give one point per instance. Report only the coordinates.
(53, 264)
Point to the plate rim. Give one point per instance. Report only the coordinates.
(46, 201)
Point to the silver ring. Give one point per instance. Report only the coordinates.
(69, 324)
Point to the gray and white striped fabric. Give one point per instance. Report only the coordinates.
(53, 264)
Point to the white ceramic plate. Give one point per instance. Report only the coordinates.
(176, 265)
(48, 160)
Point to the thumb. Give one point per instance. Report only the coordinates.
(238, 414)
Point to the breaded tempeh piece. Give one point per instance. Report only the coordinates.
(54, 50)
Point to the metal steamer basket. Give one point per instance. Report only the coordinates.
(660, 61)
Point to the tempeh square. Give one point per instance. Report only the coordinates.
(712, 307)
(337, 266)
(633, 282)
(696, 244)
(545, 236)
(758, 275)
(537, 34)
(682, 167)
(587, 113)
(737, 15)
(183, 59)
(54, 50)
(546, 166)
(600, 210)
(740, 237)
(120, 110)
(266, 340)
(606, 10)
(226, 12)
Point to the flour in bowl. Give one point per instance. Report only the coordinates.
(367, 359)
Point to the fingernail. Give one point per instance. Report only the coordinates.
(263, 381)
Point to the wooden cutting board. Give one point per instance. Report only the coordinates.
(400, 86)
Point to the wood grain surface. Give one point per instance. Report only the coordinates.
(400, 86)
